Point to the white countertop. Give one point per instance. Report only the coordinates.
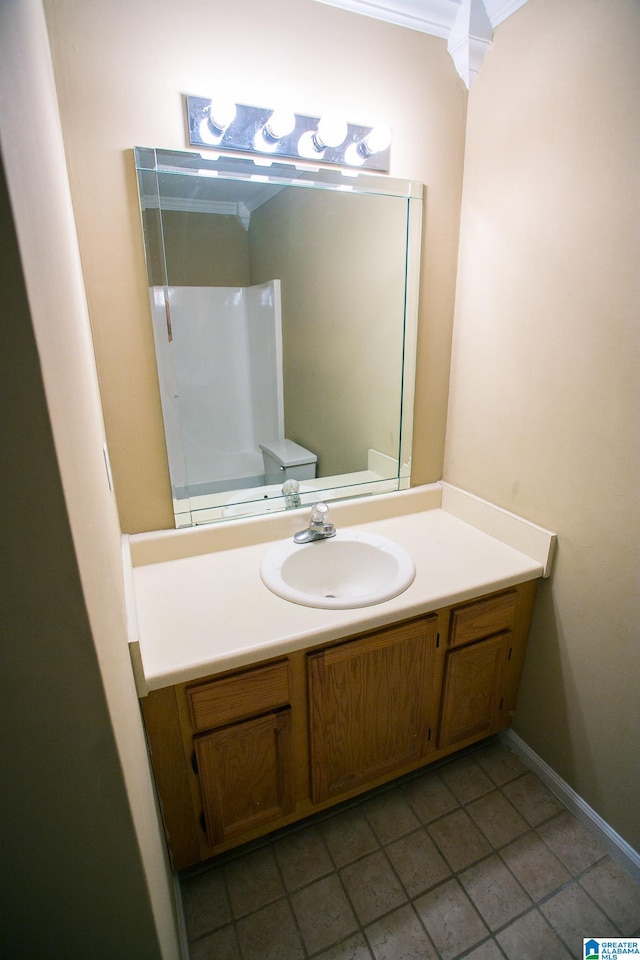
(195, 613)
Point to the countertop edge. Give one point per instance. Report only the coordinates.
(281, 647)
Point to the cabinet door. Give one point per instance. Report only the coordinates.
(245, 773)
(372, 703)
(472, 692)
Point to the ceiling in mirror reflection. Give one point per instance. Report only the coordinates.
(284, 310)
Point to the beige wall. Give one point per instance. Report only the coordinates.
(204, 250)
(544, 405)
(341, 259)
(121, 70)
(82, 841)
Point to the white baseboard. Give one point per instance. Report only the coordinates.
(617, 846)
(183, 940)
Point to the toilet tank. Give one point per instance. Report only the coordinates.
(286, 460)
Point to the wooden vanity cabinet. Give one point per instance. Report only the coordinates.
(242, 753)
(222, 754)
(241, 730)
(373, 706)
(483, 661)
(246, 775)
(471, 701)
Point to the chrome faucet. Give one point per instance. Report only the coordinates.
(319, 527)
(290, 493)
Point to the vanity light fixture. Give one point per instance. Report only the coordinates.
(238, 128)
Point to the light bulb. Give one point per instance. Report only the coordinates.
(354, 156)
(377, 140)
(332, 131)
(222, 112)
(280, 124)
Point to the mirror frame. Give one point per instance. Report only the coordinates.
(151, 163)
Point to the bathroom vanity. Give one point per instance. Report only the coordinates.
(260, 712)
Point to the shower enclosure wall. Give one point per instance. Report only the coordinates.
(219, 353)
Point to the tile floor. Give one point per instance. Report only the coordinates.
(474, 858)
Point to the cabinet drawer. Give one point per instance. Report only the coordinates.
(241, 695)
(483, 618)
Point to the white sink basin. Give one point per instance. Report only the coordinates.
(352, 569)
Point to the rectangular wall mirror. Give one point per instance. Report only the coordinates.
(284, 308)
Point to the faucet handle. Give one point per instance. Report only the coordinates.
(319, 527)
(319, 512)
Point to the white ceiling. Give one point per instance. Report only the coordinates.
(436, 17)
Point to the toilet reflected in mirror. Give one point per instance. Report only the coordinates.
(286, 460)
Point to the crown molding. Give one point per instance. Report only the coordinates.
(231, 208)
(445, 19)
(470, 39)
(427, 16)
